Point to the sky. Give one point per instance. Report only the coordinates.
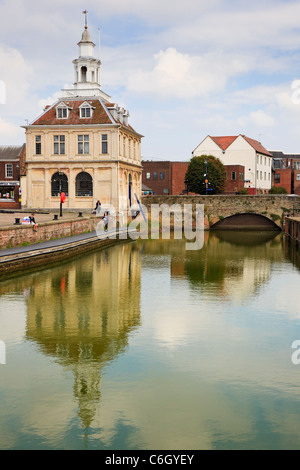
(184, 70)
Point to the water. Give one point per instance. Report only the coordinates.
(148, 346)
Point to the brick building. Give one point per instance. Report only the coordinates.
(286, 172)
(169, 177)
(11, 162)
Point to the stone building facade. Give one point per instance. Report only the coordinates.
(83, 146)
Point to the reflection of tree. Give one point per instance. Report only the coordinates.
(82, 313)
(234, 263)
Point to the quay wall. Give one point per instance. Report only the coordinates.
(292, 228)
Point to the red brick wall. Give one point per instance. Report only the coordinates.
(16, 176)
(157, 185)
(14, 236)
(285, 179)
(296, 183)
(233, 186)
(179, 170)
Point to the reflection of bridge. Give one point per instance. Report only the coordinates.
(251, 212)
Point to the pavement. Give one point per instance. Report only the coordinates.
(8, 219)
(52, 244)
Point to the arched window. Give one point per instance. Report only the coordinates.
(84, 185)
(59, 184)
(83, 73)
(130, 189)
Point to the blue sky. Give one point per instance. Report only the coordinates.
(183, 69)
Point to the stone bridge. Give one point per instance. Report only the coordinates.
(264, 212)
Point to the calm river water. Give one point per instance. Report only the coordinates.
(148, 346)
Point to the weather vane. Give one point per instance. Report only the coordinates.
(85, 12)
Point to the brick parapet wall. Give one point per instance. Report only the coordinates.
(24, 234)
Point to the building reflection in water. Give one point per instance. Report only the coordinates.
(82, 313)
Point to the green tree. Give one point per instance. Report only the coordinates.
(202, 169)
(278, 190)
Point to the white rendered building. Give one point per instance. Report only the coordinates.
(241, 150)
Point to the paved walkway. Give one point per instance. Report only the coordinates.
(8, 220)
(46, 245)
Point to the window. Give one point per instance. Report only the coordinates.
(8, 170)
(241, 176)
(59, 145)
(83, 144)
(84, 185)
(166, 191)
(85, 112)
(277, 178)
(83, 74)
(233, 175)
(298, 177)
(148, 176)
(62, 112)
(104, 144)
(162, 175)
(265, 176)
(38, 145)
(155, 175)
(59, 183)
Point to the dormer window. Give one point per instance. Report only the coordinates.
(86, 111)
(62, 111)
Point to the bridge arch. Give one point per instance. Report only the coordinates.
(246, 221)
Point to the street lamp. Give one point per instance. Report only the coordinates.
(206, 180)
(61, 194)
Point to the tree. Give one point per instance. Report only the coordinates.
(205, 175)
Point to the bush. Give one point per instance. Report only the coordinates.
(278, 190)
(243, 191)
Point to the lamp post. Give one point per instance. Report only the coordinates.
(206, 180)
(60, 193)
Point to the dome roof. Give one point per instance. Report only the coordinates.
(86, 37)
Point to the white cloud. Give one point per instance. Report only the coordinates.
(259, 118)
(185, 76)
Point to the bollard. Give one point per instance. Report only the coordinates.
(17, 222)
(55, 217)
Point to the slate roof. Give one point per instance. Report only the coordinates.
(10, 152)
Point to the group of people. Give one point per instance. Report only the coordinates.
(97, 210)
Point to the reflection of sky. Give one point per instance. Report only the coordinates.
(202, 370)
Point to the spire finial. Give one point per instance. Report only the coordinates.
(85, 12)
